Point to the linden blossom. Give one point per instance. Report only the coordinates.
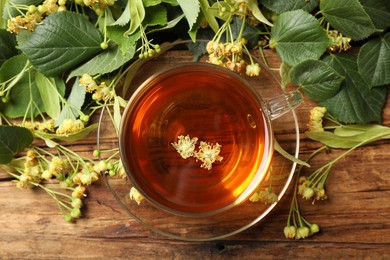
(208, 153)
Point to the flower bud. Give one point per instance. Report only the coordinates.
(75, 213)
(76, 203)
(303, 232)
(314, 228)
(308, 193)
(290, 231)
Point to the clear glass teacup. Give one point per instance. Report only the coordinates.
(197, 139)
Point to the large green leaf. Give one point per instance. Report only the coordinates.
(348, 17)
(379, 14)
(64, 40)
(13, 140)
(105, 62)
(374, 61)
(298, 36)
(355, 102)
(317, 79)
(7, 46)
(281, 6)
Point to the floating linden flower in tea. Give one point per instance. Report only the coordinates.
(208, 153)
(185, 146)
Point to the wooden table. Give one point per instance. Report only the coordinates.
(354, 221)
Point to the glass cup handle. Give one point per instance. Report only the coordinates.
(284, 103)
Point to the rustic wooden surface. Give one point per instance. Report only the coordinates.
(355, 220)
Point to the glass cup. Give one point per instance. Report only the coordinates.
(197, 140)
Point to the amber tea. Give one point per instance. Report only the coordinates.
(194, 140)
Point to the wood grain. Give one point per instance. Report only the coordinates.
(354, 220)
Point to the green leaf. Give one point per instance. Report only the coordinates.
(250, 32)
(171, 2)
(105, 62)
(298, 36)
(2, 21)
(148, 3)
(12, 67)
(348, 17)
(7, 46)
(156, 15)
(137, 15)
(51, 90)
(355, 102)
(126, 43)
(253, 5)
(379, 14)
(281, 6)
(191, 10)
(317, 79)
(13, 140)
(125, 16)
(75, 101)
(172, 23)
(62, 41)
(68, 137)
(374, 61)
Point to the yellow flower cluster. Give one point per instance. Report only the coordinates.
(100, 91)
(301, 231)
(35, 15)
(135, 195)
(308, 192)
(27, 22)
(339, 43)
(70, 126)
(230, 56)
(264, 196)
(45, 126)
(185, 146)
(97, 5)
(315, 122)
(87, 175)
(208, 153)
